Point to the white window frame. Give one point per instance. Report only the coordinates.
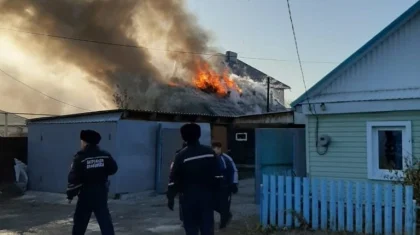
(241, 133)
(372, 149)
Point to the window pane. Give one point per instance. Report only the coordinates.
(390, 150)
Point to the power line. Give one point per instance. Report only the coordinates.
(29, 114)
(296, 44)
(155, 49)
(48, 96)
(313, 111)
(280, 60)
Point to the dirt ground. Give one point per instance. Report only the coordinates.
(46, 213)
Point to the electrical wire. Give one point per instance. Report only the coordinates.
(313, 111)
(42, 93)
(28, 114)
(156, 49)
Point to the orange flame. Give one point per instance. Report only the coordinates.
(206, 78)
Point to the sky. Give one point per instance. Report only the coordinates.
(327, 31)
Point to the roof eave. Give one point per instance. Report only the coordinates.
(403, 18)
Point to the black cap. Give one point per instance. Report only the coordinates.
(190, 132)
(90, 137)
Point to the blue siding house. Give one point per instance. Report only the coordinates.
(363, 118)
(142, 142)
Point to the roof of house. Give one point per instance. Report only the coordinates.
(12, 119)
(241, 69)
(397, 23)
(117, 114)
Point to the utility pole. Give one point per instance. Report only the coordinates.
(268, 94)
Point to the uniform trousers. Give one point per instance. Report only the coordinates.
(197, 212)
(92, 199)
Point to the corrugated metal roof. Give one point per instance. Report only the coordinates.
(115, 115)
(368, 96)
(82, 118)
(109, 116)
(397, 23)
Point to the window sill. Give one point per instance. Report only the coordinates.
(386, 176)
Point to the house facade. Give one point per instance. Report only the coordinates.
(363, 118)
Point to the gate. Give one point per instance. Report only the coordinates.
(168, 142)
(278, 151)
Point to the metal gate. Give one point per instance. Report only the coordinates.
(168, 142)
(275, 153)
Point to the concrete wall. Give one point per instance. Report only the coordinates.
(51, 148)
(347, 154)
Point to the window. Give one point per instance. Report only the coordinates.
(388, 149)
(241, 136)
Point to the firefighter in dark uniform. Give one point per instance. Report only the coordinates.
(196, 175)
(229, 185)
(88, 179)
(171, 180)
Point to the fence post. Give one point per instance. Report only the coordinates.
(261, 204)
(414, 216)
(333, 206)
(408, 209)
(324, 205)
(265, 206)
(297, 211)
(378, 209)
(398, 215)
(349, 208)
(280, 202)
(340, 206)
(359, 208)
(306, 200)
(368, 208)
(315, 192)
(388, 209)
(289, 205)
(273, 203)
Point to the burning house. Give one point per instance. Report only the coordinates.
(224, 85)
(156, 53)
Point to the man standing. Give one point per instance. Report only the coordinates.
(196, 175)
(229, 185)
(88, 179)
(171, 180)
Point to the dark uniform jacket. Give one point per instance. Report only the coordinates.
(229, 170)
(195, 168)
(91, 167)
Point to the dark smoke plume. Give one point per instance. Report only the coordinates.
(123, 22)
(163, 26)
